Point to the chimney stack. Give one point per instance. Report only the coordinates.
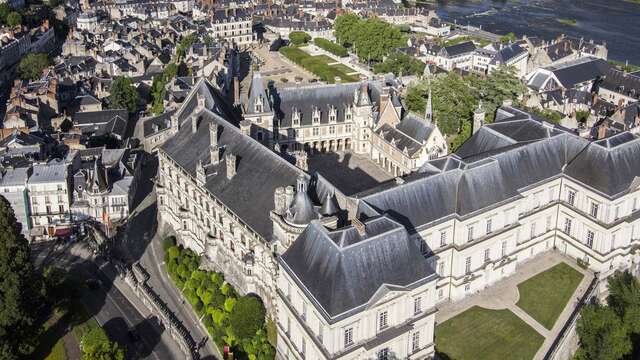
(231, 165)
(245, 127)
(301, 160)
(194, 123)
(201, 102)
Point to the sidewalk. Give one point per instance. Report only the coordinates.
(504, 295)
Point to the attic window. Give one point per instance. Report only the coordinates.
(316, 116)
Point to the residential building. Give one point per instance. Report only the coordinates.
(49, 199)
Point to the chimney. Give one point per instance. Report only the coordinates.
(301, 160)
(384, 97)
(201, 102)
(602, 131)
(194, 123)
(280, 202)
(236, 90)
(245, 127)
(231, 165)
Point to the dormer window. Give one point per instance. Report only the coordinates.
(316, 116)
(258, 104)
(333, 115)
(347, 114)
(295, 118)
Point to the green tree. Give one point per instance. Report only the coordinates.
(299, 37)
(399, 63)
(5, 10)
(19, 288)
(510, 37)
(376, 38)
(602, 334)
(95, 345)
(123, 94)
(247, 317)
(13, 19)
(32, 65)
(346, 26)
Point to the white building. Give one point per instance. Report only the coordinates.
(49, 199)
(13, 186)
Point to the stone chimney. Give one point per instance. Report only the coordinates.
(194, 123)
(301, 160)
(384, 97)
(201, 102)
(214, 151)
(289, 193)
(201, 176)
(280, 201)
(231, 164)
(236, 90)
(245, 127)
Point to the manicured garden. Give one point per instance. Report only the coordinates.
(482, 334)
(319, 65)
(545, 295)
(232, 320)
(331, 47)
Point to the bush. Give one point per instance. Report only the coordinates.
(299, 37)
(168, 242)
(247, 317)
(331, 47)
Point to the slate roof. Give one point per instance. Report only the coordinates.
(343, 269)
(624, 83)
(249, 194)
(579, 71)
(459, 49)
(507, 53)
(98, 117)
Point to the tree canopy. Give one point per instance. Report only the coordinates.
(247, 316)
(400, 64)
(13, 19)
(123, 95)
(299, 37)
(456, 97)
(372, 39)
(96, 345)
(612, 332)
(19, 288)
(32, 65)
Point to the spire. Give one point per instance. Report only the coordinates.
(428, 110)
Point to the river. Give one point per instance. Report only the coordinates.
(617, 22)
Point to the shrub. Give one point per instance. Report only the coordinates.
(168, 242)
(299, 37)
(331, 47)
(247, 317)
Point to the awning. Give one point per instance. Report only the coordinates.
(62, 232)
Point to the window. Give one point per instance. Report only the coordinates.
(613, 242)
(469, 233)
(616, 213)
(443, 238)
(533, 230)
(467, 265)
(316, 131)
(348, 337)
(303, 348)
(441, 269)
(440, 293)
(347, 128)
(288, 326)
(567, 226)
(332, 129)
(489, 224)
(415, 341)
(635, 204)
(571, 197)
(504, 248)
(383, 320)
(594, 209)
(589, 241)
(304, 310)
(549, 220)
(320, 331)
(417, 305)
(383, 354)
(487, 255)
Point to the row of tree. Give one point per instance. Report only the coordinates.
(612, 331)
(232, 320)
(455, 98)
(371, 39)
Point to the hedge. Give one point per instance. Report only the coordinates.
(331, 47)
(230, 319)
(299, 37)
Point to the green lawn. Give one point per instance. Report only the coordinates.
(58, 352)
(319, 65)
(482, 334)
(545, 295)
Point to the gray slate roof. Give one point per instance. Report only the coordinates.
(343, 269)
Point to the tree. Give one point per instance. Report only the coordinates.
(602, 334)
(346, 28)
(299, 37)
(19, 288)
(400, 63)
(96, 345)
(5, 10)
(510, 37)
(13, 19)
(247, 317)
(123, 94)
(32, 65)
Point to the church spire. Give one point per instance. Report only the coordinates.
(428, 110)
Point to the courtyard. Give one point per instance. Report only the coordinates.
(516, 318)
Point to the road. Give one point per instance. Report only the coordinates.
(139, 241)
(108, 305)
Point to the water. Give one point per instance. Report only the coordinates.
(617, 22)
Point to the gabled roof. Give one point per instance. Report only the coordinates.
(460, 49)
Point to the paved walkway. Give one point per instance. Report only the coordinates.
(504, 295)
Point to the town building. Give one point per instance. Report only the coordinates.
(49, 199)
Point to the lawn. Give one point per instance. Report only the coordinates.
(545, 295)
(482, 334)
(319, 65)
(58, 352)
